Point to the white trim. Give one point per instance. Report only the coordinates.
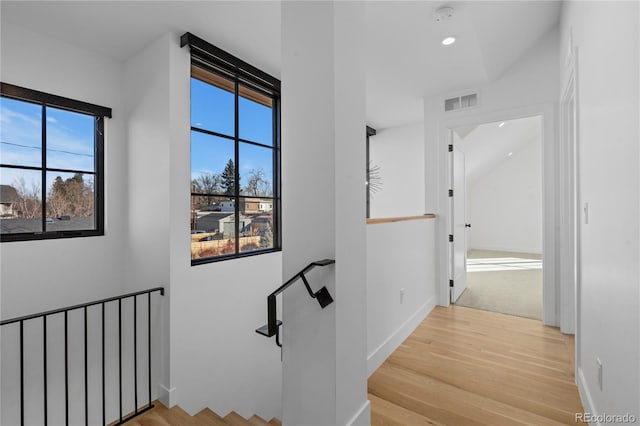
(382, 352)
(167, 396)
(585, 395)
(550, 241)
(569, 202)
(363, 416)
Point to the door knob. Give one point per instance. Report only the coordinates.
(467, 225)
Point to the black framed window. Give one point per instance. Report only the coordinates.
(51, 166)
(235, 156)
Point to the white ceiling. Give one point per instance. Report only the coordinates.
(487, 145)
(405, 60)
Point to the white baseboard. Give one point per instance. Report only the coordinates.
(362, 417)
(167, 395)
(382, 352)
(585, 395)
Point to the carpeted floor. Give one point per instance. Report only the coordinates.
(510, 283)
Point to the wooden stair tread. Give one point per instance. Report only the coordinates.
(236, 419)
(175, 416)
(160, 415)
(207, 417)
(256, 420)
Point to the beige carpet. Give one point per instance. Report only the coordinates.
(509, 283)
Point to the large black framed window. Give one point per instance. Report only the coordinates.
(235, 156)
(51, 166)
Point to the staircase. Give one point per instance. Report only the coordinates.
(176, 416)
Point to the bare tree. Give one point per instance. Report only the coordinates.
(72, 197)
(257, 184)
(208, 183)
(30, 206)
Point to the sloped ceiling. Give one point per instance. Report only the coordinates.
(405, 60)
(487, 145)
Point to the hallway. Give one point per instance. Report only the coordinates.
(464, 366)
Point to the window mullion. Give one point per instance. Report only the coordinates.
(43, 145)
(237, 162)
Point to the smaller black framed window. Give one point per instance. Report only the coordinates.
(51, 166)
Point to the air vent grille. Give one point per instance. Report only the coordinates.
(461, 102)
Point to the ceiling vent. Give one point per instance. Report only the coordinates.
(461, 102)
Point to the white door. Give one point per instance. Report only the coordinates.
(458, 225)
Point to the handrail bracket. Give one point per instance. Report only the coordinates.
(272, 328)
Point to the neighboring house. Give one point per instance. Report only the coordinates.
(226, 206)
(9, 199)
(256, 205)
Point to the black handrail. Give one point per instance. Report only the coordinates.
(84, 306)
(322, 296)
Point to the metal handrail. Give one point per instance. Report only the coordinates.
(84, 306)
(322, 296)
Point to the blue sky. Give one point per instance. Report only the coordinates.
(70, 141)
(212, 109)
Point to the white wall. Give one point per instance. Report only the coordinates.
(607, 38)
(504, 206)
(42, 275)
(324, 354)
(401, 284)
(96, 262)
(527, 88)
(399, 151)
(212, 356)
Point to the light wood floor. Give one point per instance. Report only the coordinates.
(464, 366)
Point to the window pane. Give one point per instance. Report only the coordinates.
(70, 201)
(20, 201)
(256, 170)
(213, 106)
(212, 226)
(255, 117)
(256, 224)
(20, 133)
(70, 140)
(212, 164)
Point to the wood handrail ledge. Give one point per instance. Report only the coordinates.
(373, 221)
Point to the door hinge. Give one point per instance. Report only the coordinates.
(450, 283)
(451, 148)
(451, 193)
(450, 238)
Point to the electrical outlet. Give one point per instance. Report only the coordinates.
(599, 363)
(401, 296)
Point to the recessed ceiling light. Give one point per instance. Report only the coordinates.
(501, 124)
(448, 40)
(510, 154)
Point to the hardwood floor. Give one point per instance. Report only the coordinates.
(463, 366)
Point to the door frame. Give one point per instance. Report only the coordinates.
(571, 209)
(550, 239)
